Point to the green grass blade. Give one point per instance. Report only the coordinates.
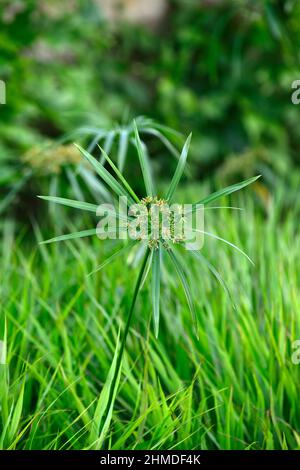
(179, 170)
(144, 163)
(112, 257)
(71, 236)
(95, 186)
(216, 237)
(147, 269)
(95, 141)
(85, 206)
(156, 288)
(228, 190)
(182, 276)
(165, 141)
(105, 175)
(4, 374)
(105, 403)
(122, 148)
(107, 144)
(215, 273)
(105, 408)
(16, 416)
(120, 176)
(3, 342)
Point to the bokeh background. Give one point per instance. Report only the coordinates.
(221, 69)
(81, 71)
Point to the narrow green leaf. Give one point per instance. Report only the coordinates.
(172, 149)
(122, 148)
(73, 179)
(120, 176)
(95, 141)
(179, 170)
(85, 206)
(107, 398)
(182, 276)
(3, 341)
(95, 186)
(224, 207)
(148, 267)
(156, 288)
(109, 141)
(216, 237)
(71, 236)
(226, 191)
(144, 163)
(112, 257)
(15, 420)
(105, 175)
(215, 272)
(4, 384)
(105, 402)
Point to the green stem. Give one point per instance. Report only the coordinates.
(123, 343)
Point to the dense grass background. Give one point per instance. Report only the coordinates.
(234, 388)
(222, 69)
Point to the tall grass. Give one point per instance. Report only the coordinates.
(151, 244)
(234, 388)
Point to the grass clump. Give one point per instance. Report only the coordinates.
(152, 257)
(235, 388)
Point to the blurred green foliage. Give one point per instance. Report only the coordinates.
(229, 76)
(222, 69)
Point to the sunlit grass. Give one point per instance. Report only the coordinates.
(234, 388)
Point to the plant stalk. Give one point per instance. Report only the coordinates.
(128, 321)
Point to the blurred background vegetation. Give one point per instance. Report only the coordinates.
(219, 68)
(80, 71)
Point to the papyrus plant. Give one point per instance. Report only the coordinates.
(155, 250)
